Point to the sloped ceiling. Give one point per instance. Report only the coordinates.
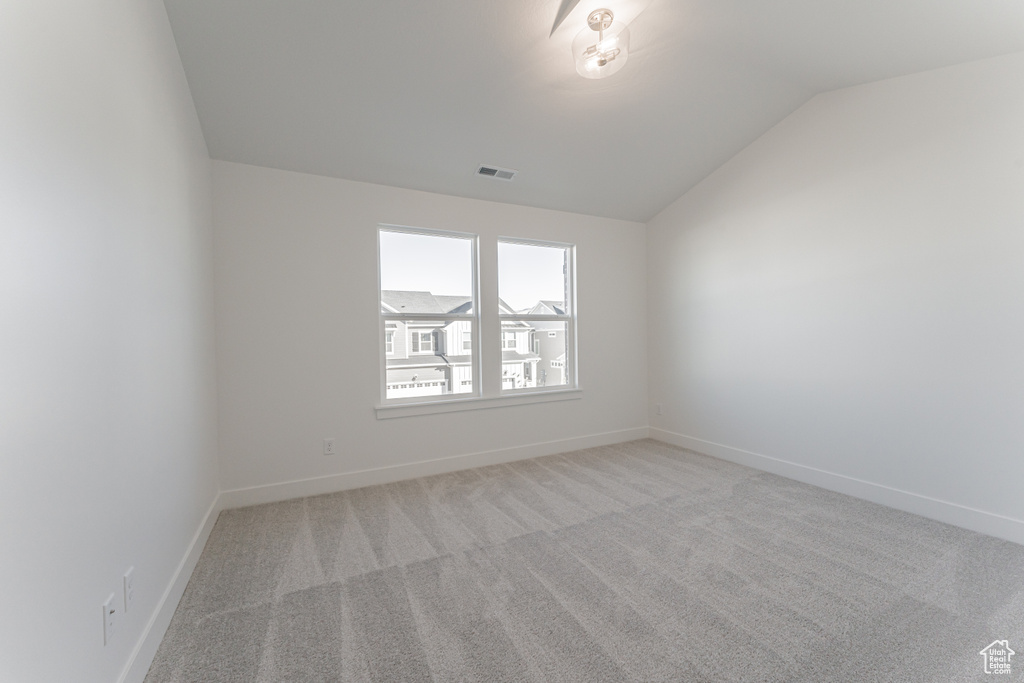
(418, 94)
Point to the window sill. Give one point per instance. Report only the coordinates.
(459, 404)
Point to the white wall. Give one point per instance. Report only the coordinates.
(107, 423)
(297, 330)
(847, 294)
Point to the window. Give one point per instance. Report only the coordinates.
(430, 322)
(422, 342)
(427, 306)
(535, 295)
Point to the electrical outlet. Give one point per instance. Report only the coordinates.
(129, 589)
(329, 447)
(659, 409)
(109, 619)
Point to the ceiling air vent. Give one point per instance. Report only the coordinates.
(496, 172)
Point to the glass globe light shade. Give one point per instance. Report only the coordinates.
(600, 52)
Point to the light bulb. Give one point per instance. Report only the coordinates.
(602, 48)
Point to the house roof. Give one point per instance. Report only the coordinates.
(547, 307)
(504, 308)
(455, 304)
(412, 302)
(557, 306)
(406, 301)
(409, 301)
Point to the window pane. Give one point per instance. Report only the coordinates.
(533, 354)
(425, 273)
(552, 349)
(429, 359)
(532, 279)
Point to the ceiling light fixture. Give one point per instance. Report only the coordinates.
(606, 56)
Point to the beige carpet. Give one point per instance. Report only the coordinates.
(635, 562)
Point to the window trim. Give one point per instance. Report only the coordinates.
(508, 338)
(393, 410)
(416, 349)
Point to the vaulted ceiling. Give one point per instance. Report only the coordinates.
(419, 93)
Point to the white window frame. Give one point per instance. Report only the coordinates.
(413, 318)
(416, 349)
(487, 385)
(569, 318)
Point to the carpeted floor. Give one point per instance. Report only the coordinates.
(635, 562)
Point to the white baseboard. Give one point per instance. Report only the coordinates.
(951, 513)
(273, 493)
(145, 650)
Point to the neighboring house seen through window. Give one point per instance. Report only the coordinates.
(536, 304)
(427, 294)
